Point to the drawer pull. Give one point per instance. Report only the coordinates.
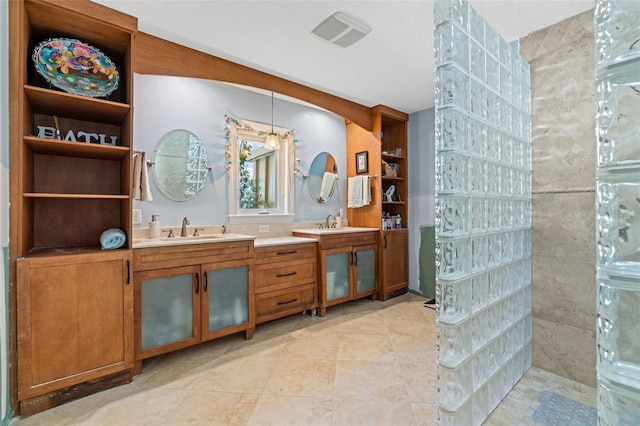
(288, 301)
(286, 275)
(287, 252)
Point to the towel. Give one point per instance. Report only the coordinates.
(354, 192)
(366, 190)
(328, 181)
(140, 185)
(112, 239)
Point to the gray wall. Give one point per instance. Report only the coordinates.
(563, 110)
(421, 148)
(164, 103)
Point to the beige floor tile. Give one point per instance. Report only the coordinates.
(370, 380)
(237, 374)
(302, 377)
(176, 374)
(417, 328)
(371, 322)
(262, 345)
(421, 381)
(282, 325)
(367, 347)
(351, 412)
(311, 345)
(329, 324)
(213, 408)
(411, 349)
(361, 307)
(280, 410)
(425, 414)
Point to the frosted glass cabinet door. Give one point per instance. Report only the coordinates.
(169, 307)
(365, 263)
(337, 275)
(228, 293)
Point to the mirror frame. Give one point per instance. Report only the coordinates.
(255, 131)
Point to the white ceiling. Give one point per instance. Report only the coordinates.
(393, 65)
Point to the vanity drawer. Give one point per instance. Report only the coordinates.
(286, 253)
(273, 276)
(348, 240)
(276, 304)
(190, 254)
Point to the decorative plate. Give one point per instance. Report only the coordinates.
(75, 67)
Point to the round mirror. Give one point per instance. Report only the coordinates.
(180, 165)
(323, 175)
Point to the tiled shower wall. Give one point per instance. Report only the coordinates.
(564, 157)
(483, 214)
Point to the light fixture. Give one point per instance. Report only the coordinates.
(341, 29)
(271, 142)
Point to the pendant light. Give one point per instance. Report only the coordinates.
(271, 142)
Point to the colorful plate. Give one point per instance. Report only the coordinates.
(75, 67)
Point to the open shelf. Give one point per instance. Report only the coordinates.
(76, 149)
(76, 196)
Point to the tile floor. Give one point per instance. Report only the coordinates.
(364, 363)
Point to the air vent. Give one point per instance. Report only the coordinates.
(341, 30)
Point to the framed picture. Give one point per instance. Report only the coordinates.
(362, 162)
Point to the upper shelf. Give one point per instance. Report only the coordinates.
(50, 102)
(75, 149)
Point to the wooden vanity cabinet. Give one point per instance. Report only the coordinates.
(394, 271)
(187, 294)
(286, 280)
(75, 315)
(347, 264)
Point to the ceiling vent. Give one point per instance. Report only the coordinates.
(341, 30)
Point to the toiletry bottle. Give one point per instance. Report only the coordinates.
(339, 218)
(389, 221)
(398, 222)
(154, 227)
(384, 221)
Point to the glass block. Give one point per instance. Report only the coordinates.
(455, 11)
(617, 30)
(478, 99)
(453, 300)
(452, 215)
(476, 26)
(493, 180)
(507, 316)
(517, 152)
(493, 213)
(495, 320)
(508, 278)
(506, 210)
(526, 299)
(492, 70)
(618, 123)
(478, 174)
(526, 99)
(452, 88)
(494, 143)
(454, 343)
(506, 182)
(493, 108)
(454, 386)
(507, 254)
(495, 250)
(480, 366)
(453, 258)
(518, 241)
(166, 310)
(478, 214)
(528, 328)
(479, 291)
(480, 405)
(518, 301)
(477, 137)
(476, 64)
(452, 130)
(478, 253)
(494, 391)
(493, 356)
(479, 330)
(527, 356)
(452, 172)
(618, 403)
(518, 177)
(618, 325)
(618, 221)
(505, 124)
(451, 45)
(462, 416)
(492, 42)
(505, 83)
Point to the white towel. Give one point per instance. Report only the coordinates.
(328, 180)
(366, 190)
(137, 176)
(140, 181)
(145, 190)
(354, 192)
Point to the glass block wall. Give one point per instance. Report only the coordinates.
(617, 53)
(483, 214)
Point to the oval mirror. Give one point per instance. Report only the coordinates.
(323, 176)
(180, 165)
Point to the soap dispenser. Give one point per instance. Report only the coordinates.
(154, 227)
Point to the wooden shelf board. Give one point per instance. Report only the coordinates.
(393, 202)
(76, 196)
(395, 157)
(392, 178)
(76, 149)
(50, 102)
(64, 251)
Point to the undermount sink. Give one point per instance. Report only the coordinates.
(198, 239)
(192, 237)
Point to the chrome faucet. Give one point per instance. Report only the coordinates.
(185, 222)
(327, 224)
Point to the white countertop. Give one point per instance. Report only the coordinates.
(330, 231)
(202, 239)
(280, 241)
